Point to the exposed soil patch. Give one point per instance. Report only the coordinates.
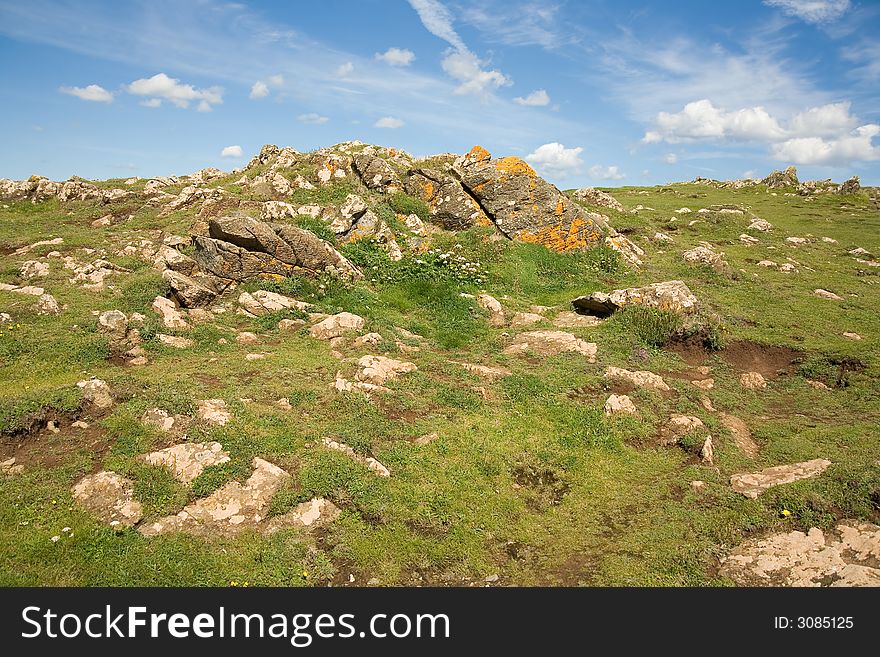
(768, 360)
(47, 449)
(692, 350)
(36, 422)
(545, 486)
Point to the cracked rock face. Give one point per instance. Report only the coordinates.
(639, 379)
(238, 248)
(551, 343)
(336, 326)
(848, 555)
(376, 370)
(674, 296)
(109, 496)
(187, 460)
(752, 484)
(451, 207)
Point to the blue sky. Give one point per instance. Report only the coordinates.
(604, 93)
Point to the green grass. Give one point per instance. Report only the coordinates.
(528, 478)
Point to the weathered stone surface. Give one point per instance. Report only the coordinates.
(33, 269)
(639, 379)
(158, 419)
(493, 307)
(620, 404)
(526, 319)
(377, 370)
(777, 179)
(568, 319)
(704, 254)
(230, 509)
(10, 467)
(368, 461)
(110, 497)
(313, 513)
(336, 326)
(551, 343)
(176, 341)
(47, 305)
(677, 426)
(263, 302)
(850, 186)
(848, 555)
(189, 292)
(97, 393)
(187, 460)
(825, 294)
(752, 484)
(760, 225)
(376, 173)
(597, 197)
(674, 296)
(526, 207)
(752, 381)
(451, 207)
(240, 247)
(172, 317)
(214, 412)
(170, 258)
(741, 434)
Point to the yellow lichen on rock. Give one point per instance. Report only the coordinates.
(556, 237)
(478, 154)
(514, 166)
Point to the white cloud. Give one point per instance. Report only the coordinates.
(670, 158)
(160, 86)
(388, 122)
(854, 146)
(259, 90)
(466, 68)
(812, 11)
(702, 120)
(597, 172)
(458, 62)
(825, 121)
(151, 102)
(438, 21)
(232, 151)
(312, 118)
(396, 57)
(276, 80)
(537, 98)
(555, 159)
(93, 92)
(344, 70)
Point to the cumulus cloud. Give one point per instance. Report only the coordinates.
(825, 121)
(232, 151)
(312, 118)
(344, 70)
(670, 158)
(537, 98)
(555, 159)
(93, 92)
(160, 86)
(467, 68)
(396, 56)
(597, 172)
(812, 11)
(458, 62)
(388, 122)
(857, 145)
(259, 90)
(702, 120)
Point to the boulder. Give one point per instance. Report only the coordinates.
(593, 196)
(263, 302)
(674, 296)
(171, 317)
(825, 294)
(188, 291)
(97, 393)
(551, 343)
(704, 254)
(376, 173)
(336, 326)
(451, 207)
(851, 186)
(376, 370)
(240, 247)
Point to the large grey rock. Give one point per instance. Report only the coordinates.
(377, 173)
(240, 247)
(674, 296)
(450, 206)
(777, 179)
(189, 292)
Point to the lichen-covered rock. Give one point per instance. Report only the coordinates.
(187, 460)
(551, 343)
(524, 206)
(593, 196)
(376, 173)
(777, 179)
(752, 484)
(240, 247)
(704, 254)
(110, 497)
(451, 207)
(263, 302)
(673, 296)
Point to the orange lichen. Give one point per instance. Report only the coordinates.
(427, 190)
(560, 238)
(513, 166)
(560, 207)
(478, 154)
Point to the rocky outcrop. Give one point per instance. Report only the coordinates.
(376, 173)
(110, 497)
(752, 484)
(451, 207)
(777, 179)
(593, 196)
(551, 343)
(674, 296)
(240, 247)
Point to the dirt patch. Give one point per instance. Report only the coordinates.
(692, 350)
(210, 380)
(47, 449)
(768, 360)
(545, 487)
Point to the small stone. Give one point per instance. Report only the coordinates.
(752, 381)
(704, 384)
(494, 308)
(246, 337)
(620, 404)
(175, 341)
(97, 393)
(214, 412)
(639, 379)
(698, 485)
(851, 336)
(427, 438)
(336, 326)
(825, 294)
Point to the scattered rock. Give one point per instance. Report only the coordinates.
(851, 336)
(639, 379)
(673, 296)
(704, 254)
(593, 196)
(290, 324)
(376, 370)
(110, 497)
(368, 340)
(677, 426)
(753, 484)
(97, 393)
(336, 326)
(752, 381)
(158, 419)
(825, 294)
(9, 467)
(616, 404)
(493, 307)
(760, 225)
(551, 343)
(214, 412)
(778, 179)
(176, 341)
(748, 239)
(848, 555)
(247, 337)
(187, 460)
(368, 461)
